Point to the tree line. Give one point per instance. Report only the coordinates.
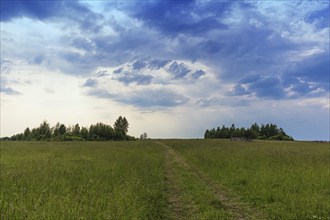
(61, 132)
(255, 131)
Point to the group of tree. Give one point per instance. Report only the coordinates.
(262, 132)
(60, 132)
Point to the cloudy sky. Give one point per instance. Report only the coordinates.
(173, 68)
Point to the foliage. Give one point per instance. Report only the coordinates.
(121, 127)
(263, 132)
(60, 132)
(144, 136)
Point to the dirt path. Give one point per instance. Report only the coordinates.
(238, 210)
(177, 209)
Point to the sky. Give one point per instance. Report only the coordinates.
(172, 68)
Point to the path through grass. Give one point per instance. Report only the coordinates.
(171, 179)
(285, 180)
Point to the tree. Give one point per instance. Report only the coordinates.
(44, 131)
(121, 125)
(60, 132)
(56, 129)
(84, 133)
(143, 136)
(268, 131)
(27, 134)
(62, 129)
(76, 130)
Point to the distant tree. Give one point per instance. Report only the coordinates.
(268, 131)
(62, 129)
(60, 132)
(121, 126)
(76, 130)
(143, 136)
(101, 131)
(27, 134)
(44, 131)
(56, 129)
(84, 133)
(207, 134)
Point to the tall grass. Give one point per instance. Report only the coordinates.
(82, 180)
(143, 180)
(287, 180)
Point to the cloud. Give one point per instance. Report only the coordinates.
(9, 91)
(54, 9)
(5, 88)
(238, 90)
(145, 71)
(158, 63)
(90, 83)
(39, 59)
(139, 79)
(243, 44)
(175, 17)
(119, 70)
(231, 102)
(198, 73)
(314, 69)
(138, 65)
(319, 17)
(268, 88)
(155, 98)
(144, 98)
(178, 70)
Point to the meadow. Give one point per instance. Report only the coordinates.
(165, 179)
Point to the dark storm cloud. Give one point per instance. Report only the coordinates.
(34, 9)
(174, 17)
(241, 45)
(51, 9)
(268, 88)
(314, 69)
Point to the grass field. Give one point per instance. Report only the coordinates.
(165, 179)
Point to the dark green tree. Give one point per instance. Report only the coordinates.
(27, 134)
(121, 125)
(62, 129)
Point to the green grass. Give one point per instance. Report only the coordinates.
(82, 180)
(141, 179)
(286, 180)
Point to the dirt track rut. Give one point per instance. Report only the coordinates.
(238, 210)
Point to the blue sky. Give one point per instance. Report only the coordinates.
(173, 68)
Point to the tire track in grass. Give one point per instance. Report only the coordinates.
(176, 203)
(238, 210)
